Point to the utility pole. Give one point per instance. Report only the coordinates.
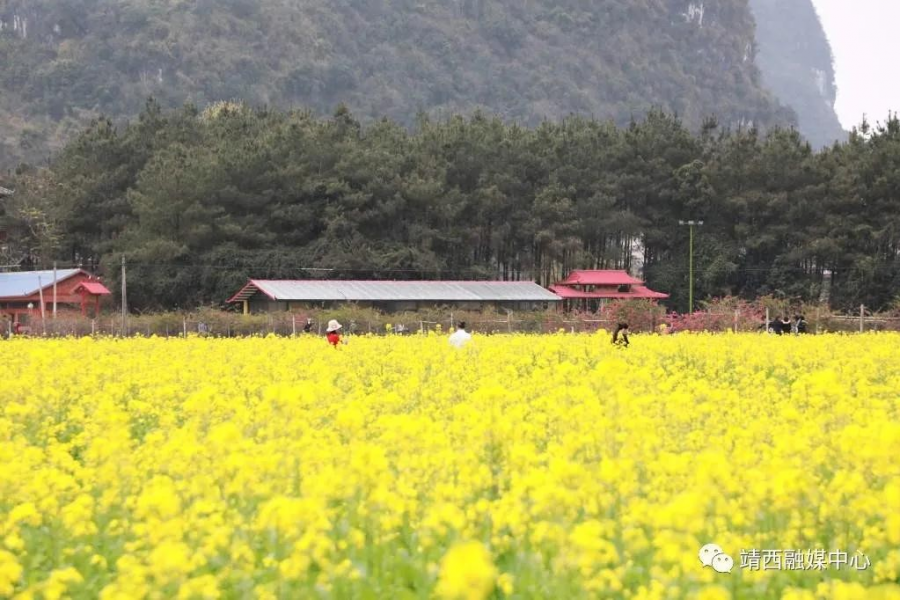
(41, 296)
(124, 299)
(690, 225)
(862, 318)
(54, 290)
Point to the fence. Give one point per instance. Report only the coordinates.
(823, 321)
(649, 319)
(287, 325)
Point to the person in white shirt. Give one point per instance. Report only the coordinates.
(460, 337)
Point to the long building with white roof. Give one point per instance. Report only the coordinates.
(260, 295)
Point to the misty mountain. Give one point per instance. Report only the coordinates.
(63, 62)
(797, 64)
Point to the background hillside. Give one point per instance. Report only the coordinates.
(797, 65)
(65, 61)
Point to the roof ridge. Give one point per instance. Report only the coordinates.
(395, 281)
(373, 290)
(25, 283)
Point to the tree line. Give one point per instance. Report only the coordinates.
(198, 201)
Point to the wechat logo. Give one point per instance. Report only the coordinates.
(711, 555)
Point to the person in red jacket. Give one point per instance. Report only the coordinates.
(333, 333)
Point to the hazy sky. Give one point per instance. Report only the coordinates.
(866, 45)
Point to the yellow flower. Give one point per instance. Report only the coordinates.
(10, 572)
(797, 594)
(274, 467)
(884, 592)
(714, 592)
(25, 513)
(170, 561)
(467, 572)
(262, 592)
(58, 583)
(14, 542)
(505, 583)
(205, 587)
(160, 499)
(78, 515)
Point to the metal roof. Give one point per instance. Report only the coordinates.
(26, 283)
(381, 291)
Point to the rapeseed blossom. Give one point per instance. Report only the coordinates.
(467, 573)
(527, 467)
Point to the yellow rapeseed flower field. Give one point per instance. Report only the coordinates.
(399, 467)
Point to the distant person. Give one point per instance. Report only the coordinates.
(333, 333)
(17, 328)
(308, 327)
(460, 337)
(202, 329)
(620, 335)
(802, 326)
(786, 327)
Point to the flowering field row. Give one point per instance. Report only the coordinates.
(522, 466)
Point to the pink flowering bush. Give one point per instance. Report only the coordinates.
(722, 314)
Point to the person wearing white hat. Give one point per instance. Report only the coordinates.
(333, 332)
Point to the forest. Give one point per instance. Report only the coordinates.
(197, 201)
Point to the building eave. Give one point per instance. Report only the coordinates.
(250, 289)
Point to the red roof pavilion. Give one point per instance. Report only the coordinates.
(603, 285)
(91, 289)
(94, 288)
(602, 278)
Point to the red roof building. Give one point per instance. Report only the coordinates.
(595, 287)
(22, 292)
